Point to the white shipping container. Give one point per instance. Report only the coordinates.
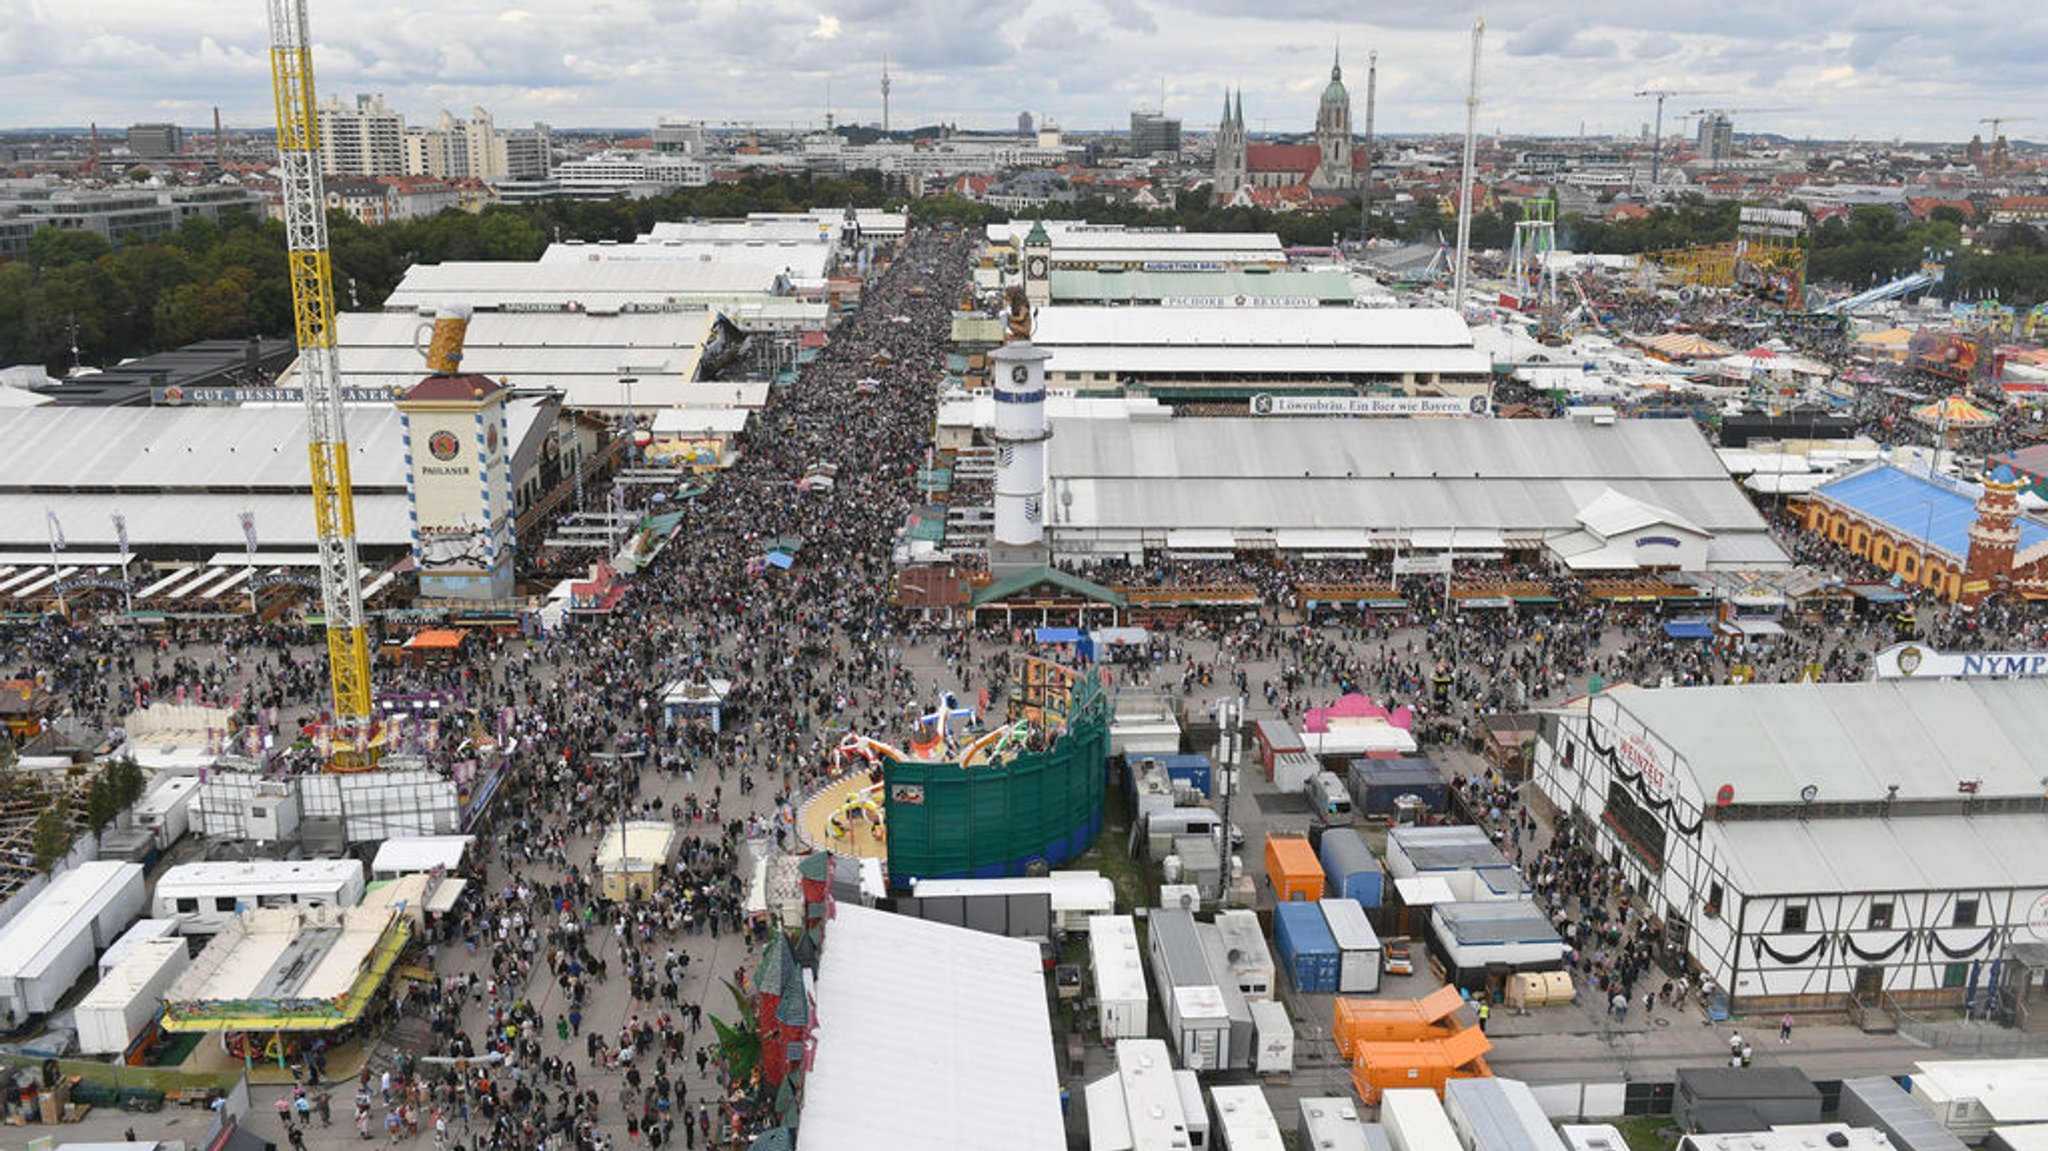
(1244, 1122)
(1272, 1038)
(111, 1014)
(1122, 1006)
(1414, 1120)
(1358, 946)
(1330, 1123)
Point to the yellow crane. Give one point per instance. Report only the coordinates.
(312, 280)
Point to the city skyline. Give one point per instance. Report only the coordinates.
(1872, 70)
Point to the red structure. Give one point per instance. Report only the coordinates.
(1994, 538)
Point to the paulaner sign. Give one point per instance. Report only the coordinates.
(1917, 661)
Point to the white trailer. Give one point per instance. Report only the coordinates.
(1358, 946)
(1414, 1120)
(1498, 1115)
(1330, 1123)
(1199, 1025)
(204, 897)
(126, 999)
(1272, 1038)
(142, 929)
(45, 948)
(417, 854)
(1191, 1107)
(1243, 1120)
(1971, 1096)
(1123, 1009)
(165, 809)
(1245, 953)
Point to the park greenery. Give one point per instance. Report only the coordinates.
(227, 280)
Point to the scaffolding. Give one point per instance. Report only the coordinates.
(1532, 260)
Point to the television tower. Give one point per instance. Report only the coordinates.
(885, 94)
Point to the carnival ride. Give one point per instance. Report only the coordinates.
(856, 792)
(1767, 259)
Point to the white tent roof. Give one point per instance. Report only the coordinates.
(929, 1037)
(1924, 853)
(1852, 741)
(591, 283)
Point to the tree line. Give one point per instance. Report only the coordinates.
(227, 280)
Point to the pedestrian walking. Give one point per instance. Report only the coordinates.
(1785, 1028)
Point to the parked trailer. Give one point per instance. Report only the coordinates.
(1350, 868)
(1358, 947)
(165, 809)
(1191, 1108)
(1243, 1120)
(45, 948)
(141, 929)
(1273, 1039)
(1140, 1106)
(1179, 961)
(1415, 1121)
(1275, 738)
(1122, 1007)
(1498, 1115)
(1240, 943)
(204, 897)
(1072, 898)
(1970, 1097)
(1378, 784)
(115, 1011)
(1330, 1123)
(1293, 769)
(1878, 1101)
(1475, 939)
(1301, 938)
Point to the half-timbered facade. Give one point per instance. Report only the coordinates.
(1813, 844)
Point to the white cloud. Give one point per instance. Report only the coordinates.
(1870, 68)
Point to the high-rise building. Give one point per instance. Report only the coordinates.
(156, 141)
(529, 152)
(675, 138)
(1026, 125)
(1716, 137)
(1153, 133)
(441, 151)
(367, 139)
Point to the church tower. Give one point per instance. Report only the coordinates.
(1333, 134)
(1994, 536)
(1231, 157)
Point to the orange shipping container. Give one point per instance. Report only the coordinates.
(1427, 1063)
(1434, 1016)
(1293, 869)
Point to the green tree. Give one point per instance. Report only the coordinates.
(58, 248)
(51, 837)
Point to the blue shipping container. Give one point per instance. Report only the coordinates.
(1192, 768)
(1304, 946)
(1350, 867)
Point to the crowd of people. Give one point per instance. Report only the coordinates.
(563, 1018)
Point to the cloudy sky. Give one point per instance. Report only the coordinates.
(1870, 69)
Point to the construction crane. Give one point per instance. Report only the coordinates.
(1998, 122)
(312, 281)
(1657, 146)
